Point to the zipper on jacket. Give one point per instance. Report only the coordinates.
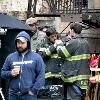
(21, 71)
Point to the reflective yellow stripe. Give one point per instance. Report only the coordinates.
(75, 78)
(79, 57)
(84, 87)
(65, 52)
(49, 74)
(46, 50)
(55, 56)
(84, 84)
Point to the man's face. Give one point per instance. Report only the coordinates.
(33, 27)
(68, 37)
(21, 46)
(53, 37)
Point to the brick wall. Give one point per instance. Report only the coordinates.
(17, 8)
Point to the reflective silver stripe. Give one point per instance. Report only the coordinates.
(42, 49)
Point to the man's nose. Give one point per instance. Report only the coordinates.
(20, 45)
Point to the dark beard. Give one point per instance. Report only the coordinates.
(22, 50)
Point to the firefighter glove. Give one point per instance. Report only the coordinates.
(58, 43)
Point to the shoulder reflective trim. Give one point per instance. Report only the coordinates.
(79, 57)
(49, 74)
(46, 50)
(65, 52)
(55, 56)
(42, 49)
(75, 78)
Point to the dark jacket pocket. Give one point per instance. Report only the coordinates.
(68, 73)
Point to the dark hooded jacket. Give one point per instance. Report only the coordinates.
(32, 70)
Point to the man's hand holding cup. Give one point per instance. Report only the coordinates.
(15, 71)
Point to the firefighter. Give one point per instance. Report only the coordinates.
(75, 68)
(51, 59)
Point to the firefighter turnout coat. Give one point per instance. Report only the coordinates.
(52, 60)
(76, 55)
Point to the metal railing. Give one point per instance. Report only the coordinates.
(67, 6)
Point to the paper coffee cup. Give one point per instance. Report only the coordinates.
(17, 68)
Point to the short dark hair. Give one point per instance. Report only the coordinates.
(76, 27)
(50, 31)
